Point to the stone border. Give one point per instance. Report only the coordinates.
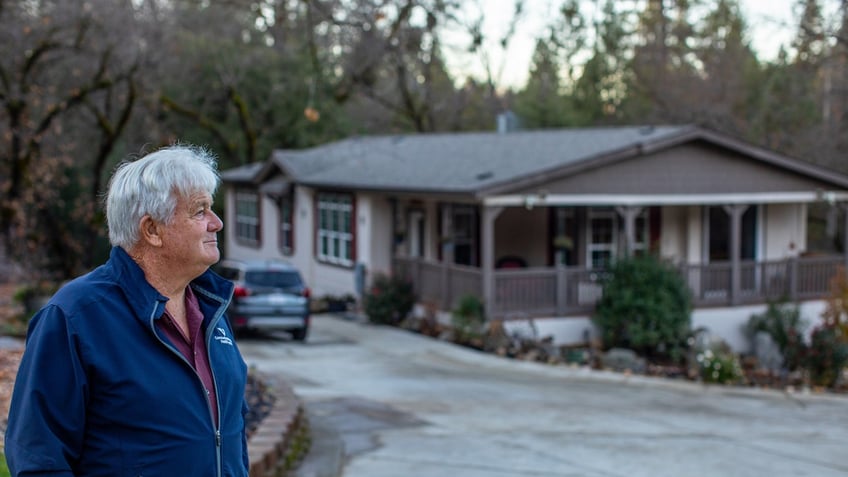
(281, 439)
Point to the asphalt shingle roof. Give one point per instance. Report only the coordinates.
(242, 173)
(457, 162)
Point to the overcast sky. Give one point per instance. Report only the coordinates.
(771, 24)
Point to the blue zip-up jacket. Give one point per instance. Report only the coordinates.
(101, 392)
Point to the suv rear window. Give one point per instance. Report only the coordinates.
(273, 279)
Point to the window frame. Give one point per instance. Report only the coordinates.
(286, 228)
(330, 229)
(245, 221)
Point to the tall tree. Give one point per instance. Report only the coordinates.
(69, 79)
(541, 104)
(731, 72)
(599, 92)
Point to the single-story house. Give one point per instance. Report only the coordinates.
(527, 220)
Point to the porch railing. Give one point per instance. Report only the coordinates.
(564, 291)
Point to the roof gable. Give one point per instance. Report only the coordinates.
(694, 167)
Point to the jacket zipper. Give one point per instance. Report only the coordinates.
(210, 330)
(218, 438)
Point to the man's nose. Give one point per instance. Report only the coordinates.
(216, 223)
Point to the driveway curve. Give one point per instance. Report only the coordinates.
(408, 405)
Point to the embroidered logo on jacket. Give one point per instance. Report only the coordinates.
(221, 336)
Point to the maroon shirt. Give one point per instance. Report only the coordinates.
(193, 346)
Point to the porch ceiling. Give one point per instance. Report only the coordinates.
(547, 200)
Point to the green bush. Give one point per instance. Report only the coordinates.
(784, 324)
(646, 306)
(827, 355)
(719, 366)
(389, 300)
(468, 319)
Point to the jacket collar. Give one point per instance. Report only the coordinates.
(141, 295)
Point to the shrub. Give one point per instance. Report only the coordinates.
(827, 356)
(467, 319)
(784, 324)
(646, 307)
(389, 300)
(719, 366)
(836, 311)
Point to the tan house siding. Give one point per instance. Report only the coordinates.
(374, 225)
(673, 243)
(685, 169)
(785, 231)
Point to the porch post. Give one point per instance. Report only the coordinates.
(735, 211)
(629, 214)
(393, 202)
(447, 254)
(844, 207)
(487, 229)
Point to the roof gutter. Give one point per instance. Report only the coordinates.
(548, 200)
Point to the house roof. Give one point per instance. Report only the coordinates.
(246, 173)
(455, 162)
(488, 163)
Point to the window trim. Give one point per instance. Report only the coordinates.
(344, 237)
(611, 247)
(616, 246)
(239, 218)
(286, 247)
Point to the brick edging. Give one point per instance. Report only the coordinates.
(269, 445)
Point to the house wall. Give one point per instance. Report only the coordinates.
(304, 227)
(686, 169)
(374, 237)
(725, 323)
(673, 244)
(373, 248)
(694, 235)
(785, 231)
(269, 218)
(372, 222)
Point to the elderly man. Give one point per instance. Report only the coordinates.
(131, 369)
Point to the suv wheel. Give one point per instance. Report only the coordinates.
(299, 334)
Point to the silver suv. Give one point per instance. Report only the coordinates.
(268, 295)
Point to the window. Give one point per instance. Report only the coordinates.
(602, 237)
(417, 227)
(565, 236)
(286, 230)
(247, 217)
(465, 223)
(606, 239)
(335, 228)
(640, 234)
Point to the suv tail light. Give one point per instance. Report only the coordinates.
(306, 292)
(240, 292)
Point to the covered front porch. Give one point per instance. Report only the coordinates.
(572, 291)
(731, 249)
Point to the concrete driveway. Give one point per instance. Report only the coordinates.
(411, 406)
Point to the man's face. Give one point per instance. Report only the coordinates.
(190, 241)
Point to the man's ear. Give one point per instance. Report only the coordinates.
(150, 231)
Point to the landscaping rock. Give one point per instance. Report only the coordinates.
(620, 359)
(767, 352)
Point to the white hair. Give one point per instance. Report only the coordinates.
(152, 185)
